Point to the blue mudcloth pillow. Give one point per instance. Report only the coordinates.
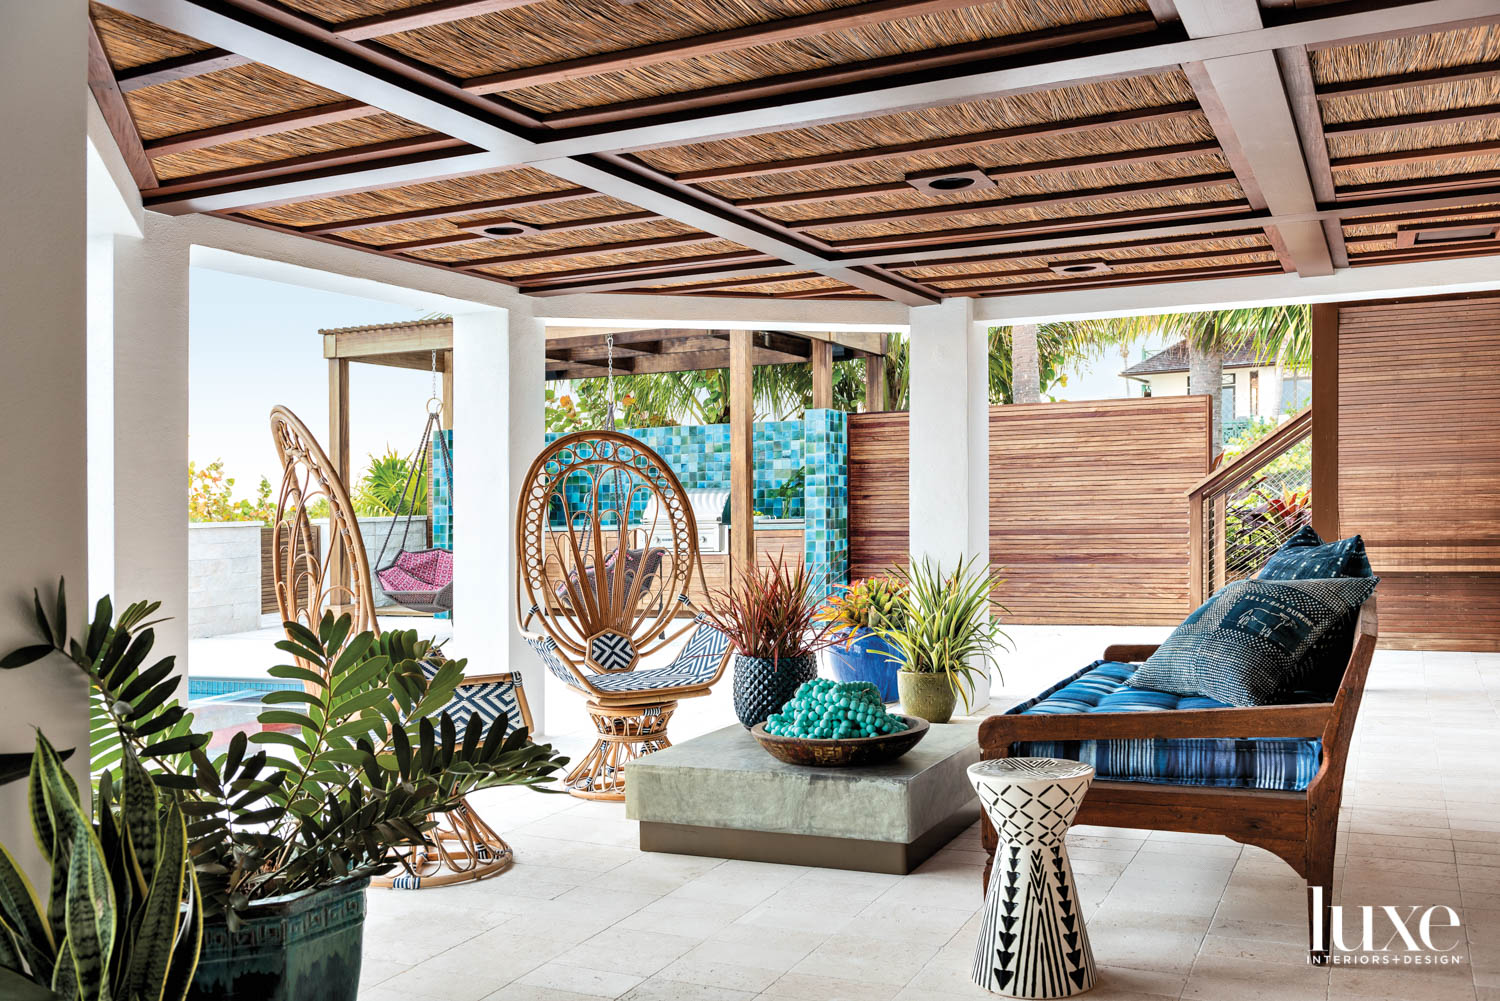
(1243, 645)
(1305, 556)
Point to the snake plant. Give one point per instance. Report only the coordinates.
(947, 627)
(123, 918)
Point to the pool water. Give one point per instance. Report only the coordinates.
(226, 706)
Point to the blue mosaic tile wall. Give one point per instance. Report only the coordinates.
(815, 448)
(825, 450)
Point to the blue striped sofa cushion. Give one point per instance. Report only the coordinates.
(1254, 763)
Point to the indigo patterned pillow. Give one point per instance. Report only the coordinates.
(1306, 557)
(1243, 645)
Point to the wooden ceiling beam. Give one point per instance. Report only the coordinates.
(426, 15)
(901, 242)
(1418, 185)
(1049, 200)
(857, 15)
(1033, 169)
(939, 145)
(1297, 79)
(589, 250)
(237, 180)
(734, 283)
(1247, 103)
(116, 114)
(448, 211)
(450, 239)
(1118, 281)
(175, 68)
(1408, 81)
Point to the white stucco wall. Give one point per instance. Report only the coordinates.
(1268, 394)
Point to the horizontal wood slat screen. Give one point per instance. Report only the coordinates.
(1419, 464)
(1088, 505)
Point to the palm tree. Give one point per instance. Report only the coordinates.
(1025, 364)
(1279, 333)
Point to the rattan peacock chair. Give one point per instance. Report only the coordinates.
(597, 598)
(313, 576)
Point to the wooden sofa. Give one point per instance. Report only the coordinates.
(1300, 827)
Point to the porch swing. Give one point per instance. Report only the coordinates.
(421, 580)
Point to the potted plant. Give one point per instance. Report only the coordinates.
(285, 836)
(855, 613)
(125, 917)
(769, 617)
(947, 640)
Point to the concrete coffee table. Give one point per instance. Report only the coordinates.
(722, 795)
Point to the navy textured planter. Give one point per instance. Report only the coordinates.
(299, 947)
(762, 686)
(866, 660)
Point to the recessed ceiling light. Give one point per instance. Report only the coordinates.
(1436, 236)
(964, 177)
(1075, 268)
(499, 229)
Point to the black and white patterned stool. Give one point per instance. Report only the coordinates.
(1032, 942)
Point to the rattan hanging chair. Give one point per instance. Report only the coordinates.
(598, 600)
(312, 577)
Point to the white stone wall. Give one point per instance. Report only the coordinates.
(223, 577)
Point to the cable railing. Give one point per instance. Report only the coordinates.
(1242, 511)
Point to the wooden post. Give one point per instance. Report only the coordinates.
(1325, 419)
(447, 390)
(875, 381)
(741, 451)
(338, 454)
(822, 375)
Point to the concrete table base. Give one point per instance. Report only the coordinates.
(721, 795)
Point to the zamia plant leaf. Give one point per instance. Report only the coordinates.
(348, 770)
(118, 924)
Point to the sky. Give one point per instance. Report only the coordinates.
(254, 343)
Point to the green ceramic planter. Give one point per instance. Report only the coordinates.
(299, 947)
(929, 696)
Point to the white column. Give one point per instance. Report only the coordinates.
(43, 437)
(950, 433)
(949, 479)
(151, 427)
(498, 381)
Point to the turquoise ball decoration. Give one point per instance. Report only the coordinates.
(822, 709)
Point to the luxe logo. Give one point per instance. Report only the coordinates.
(1387, 935)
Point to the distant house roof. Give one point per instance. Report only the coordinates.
(1175, 359)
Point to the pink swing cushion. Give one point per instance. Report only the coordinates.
(425, 570)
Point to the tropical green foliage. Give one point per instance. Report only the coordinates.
(124, 918)
(211, 496)
(387, 487)
(347, 771)
(869, 603)
(947, 625)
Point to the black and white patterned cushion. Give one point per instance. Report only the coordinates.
(1305, 556)
(1243, 645)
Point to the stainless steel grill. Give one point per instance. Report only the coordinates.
(708, 511)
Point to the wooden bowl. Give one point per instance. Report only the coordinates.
(846, 752)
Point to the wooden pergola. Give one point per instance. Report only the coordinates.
(583, 353)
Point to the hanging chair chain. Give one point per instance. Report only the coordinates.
(432, 432)
(609, 380)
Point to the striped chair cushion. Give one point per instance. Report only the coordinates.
(490, 700)
(1251, 763)
(694, 664)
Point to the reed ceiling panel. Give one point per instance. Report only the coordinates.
(939, 271)
(286, 145)
(222, 98)
(130, 41)
(453, 191)
(1123, 267)
(1012, 111)
(1406, 54)
(559, 242)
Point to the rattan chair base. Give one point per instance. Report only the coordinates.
(460, 849)
(625, 733)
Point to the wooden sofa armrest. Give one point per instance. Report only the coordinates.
(1130, 653)
(997, 733)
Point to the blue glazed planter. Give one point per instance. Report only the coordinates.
(866, 660)
(298, 947)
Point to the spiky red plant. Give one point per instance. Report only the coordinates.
(770, 612)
